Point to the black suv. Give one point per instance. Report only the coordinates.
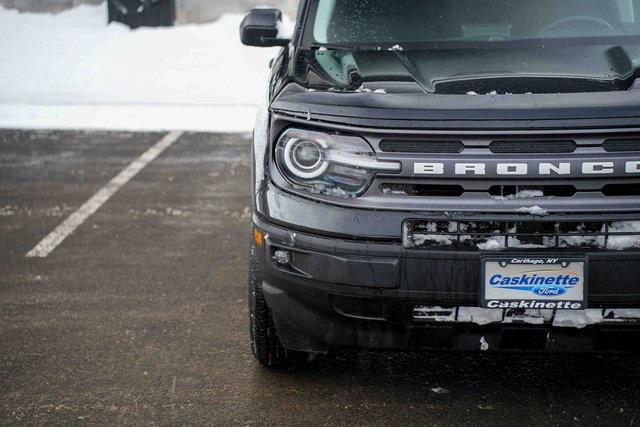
(436, 174)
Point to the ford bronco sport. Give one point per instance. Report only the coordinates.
(438, 174)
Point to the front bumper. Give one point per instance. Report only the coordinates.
(339, 292)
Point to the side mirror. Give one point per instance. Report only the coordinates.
(260, 28)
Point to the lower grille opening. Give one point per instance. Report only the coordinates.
(421, 190)
(369, 308)
(526, 234)
(621, 190)
(528, 191)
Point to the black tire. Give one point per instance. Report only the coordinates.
(265, 344)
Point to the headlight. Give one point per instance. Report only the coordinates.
(305, 158)
(330, 164)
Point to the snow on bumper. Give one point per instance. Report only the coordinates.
(558, 318)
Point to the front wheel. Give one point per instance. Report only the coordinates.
(265, 344)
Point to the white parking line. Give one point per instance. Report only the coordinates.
(57, 236)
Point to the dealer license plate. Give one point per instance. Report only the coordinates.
(534, 283)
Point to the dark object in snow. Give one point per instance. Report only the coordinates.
(142, 13)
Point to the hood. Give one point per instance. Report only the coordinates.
(417, 110)
(503, 70)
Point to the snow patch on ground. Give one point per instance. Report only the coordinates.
(72, 70)
(128, 117)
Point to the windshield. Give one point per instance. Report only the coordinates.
(460, 46)
(361, 22)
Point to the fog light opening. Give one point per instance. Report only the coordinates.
(282, 257)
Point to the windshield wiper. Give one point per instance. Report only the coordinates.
(412, 68)
(621, 62)
(404, 59)
(636, 76)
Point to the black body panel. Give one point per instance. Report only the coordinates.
(316, 311)
(462, 112)
(441, 277)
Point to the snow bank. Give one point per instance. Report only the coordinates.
(71, 70)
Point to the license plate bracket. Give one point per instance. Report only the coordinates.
(534, 282)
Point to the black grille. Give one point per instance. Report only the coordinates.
(621, 190)
(421, 146)
(622, 144)
(505, 192)
(358, 307)
(497, 235)
(533, 146)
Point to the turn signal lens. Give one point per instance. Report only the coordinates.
(258, 237)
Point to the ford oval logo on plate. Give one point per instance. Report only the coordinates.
(548, 291)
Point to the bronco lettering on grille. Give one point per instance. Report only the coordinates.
(529, 168)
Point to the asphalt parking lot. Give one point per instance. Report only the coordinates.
(140, 314)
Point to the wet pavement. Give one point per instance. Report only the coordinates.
(140, 315)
